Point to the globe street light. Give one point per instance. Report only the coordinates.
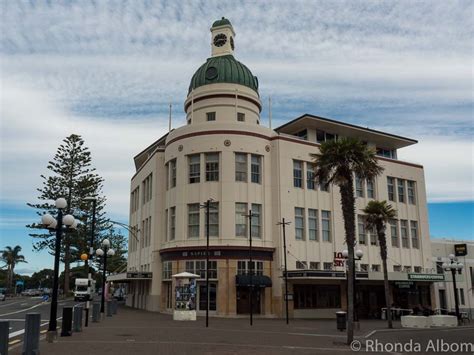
(105, 251)
(56, 225)
(454, 266)
(358, 256)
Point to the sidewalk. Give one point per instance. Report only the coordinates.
(137, 332)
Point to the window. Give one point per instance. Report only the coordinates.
(172, 171)
(211, 116)
(213, 219)
(241, 167)
(256, 168)
(166, 225)
(212, 166)
(370, 189)
(243, 267)
(194, 168)
(359, 186)
(300, 265)
(299, 223)
(240, 219)
(326, 225)
(316, 296)
(198, 267)
(310, 176)
(167, 270)
(387, 153)
(256, 220)
(361, 229)
(411, 192)
(172, 223)
(147, 188)
(297, 173)
(193, 220)
(461, 299)
(327, 266)
(375, 268)
(401, 190)
(240, 116)
(439, 267)
(313, 224)
(134, 199)
(407, 269)
(364, 267)
(303, 134)
(417, 269)
(414, 234)
(322, 136)
(391, 188)
(314, 265)
(324, 186)
(404, 233)
(373, 236)
(394, 233)
(397, 268)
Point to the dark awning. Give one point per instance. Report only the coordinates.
(257, 280)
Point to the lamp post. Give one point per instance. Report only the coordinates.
(251, 267)
(91, 254)
(106, 251)
(283, 224)
(454, 266)
(358, 256)
(56, 225)
(207, 206)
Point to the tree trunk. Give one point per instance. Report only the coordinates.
(348, 212)
(383, 255)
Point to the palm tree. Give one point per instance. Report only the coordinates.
(378, 213)
(11, 256)
(336, 164)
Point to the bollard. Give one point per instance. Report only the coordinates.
(114, 306)
(4, 331)
(109, 308)
(66, 326)
(32, 334)
(77, 321)
(95, 312)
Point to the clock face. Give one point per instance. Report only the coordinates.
(232, 43)
(220, 40)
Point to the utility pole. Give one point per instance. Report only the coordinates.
(283, 224)
(251, 268)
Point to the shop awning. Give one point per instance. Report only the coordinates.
(257, 280)
(130, 276)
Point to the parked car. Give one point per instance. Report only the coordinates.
(2, 297)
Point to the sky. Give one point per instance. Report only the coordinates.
(107, 70)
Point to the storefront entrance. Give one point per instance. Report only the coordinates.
(202, 296)
(243, 300)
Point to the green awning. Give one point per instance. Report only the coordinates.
(257, 280)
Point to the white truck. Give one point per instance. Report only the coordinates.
(83, 290)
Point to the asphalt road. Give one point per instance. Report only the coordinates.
(15, 309)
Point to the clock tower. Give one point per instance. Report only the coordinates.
(222, 40)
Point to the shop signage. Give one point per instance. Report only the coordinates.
(339, 259)
(221, 253)
(139, 275)
(460, 249)
(325, 273)
(404, 284)
(426, 277)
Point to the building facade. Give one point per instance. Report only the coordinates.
(444, 291)
(223, 153)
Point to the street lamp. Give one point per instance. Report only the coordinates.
(454, 266)
(105, 252)
(358, 256)
(91, 254)
(56, 225)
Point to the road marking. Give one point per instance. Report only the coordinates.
(10, 304)
(14, 342)
(22, 310)
(319, 335)
(21, 331)
(44, 331)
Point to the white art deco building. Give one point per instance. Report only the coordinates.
(225, 153)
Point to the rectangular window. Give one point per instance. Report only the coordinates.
(326, 225)
(411, 192)
(194, 168)
(240, 116)
(214, 219)
(375, 268)
(439, 267)
(320, 136)
(297, 173)
(241, 167)
(401, 190)
(404, 233)
(394, 233)
(256, 168)
(397, 268)
(327, 266)
(316, 296)
(310, 176)
(359, 186)
(324, 186)
(167, 270)
(193, 220)
(244, 266)
(256, 220)
(299, 223)
(414, 234)
(240, 219)
(166, 225)
(370, 189)
(391, 188)
(172, 223)
(211, 116)
(172, 165)
(361, 229)
(212, 166)
(407, 269)
(300, 265)
(303, 134)
(314, 265)
(418, 269)
(373, 236)
(313, 224)
(461, 299)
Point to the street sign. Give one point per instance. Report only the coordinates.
(460, 249)
(426, 277)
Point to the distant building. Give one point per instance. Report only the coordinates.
(224, 153)
(444, 291)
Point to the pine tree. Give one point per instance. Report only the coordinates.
(74, 178)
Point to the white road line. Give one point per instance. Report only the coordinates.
(21, 331)
(10, 304)
(22, 310)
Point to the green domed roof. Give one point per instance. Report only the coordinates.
(223, 21)
(223, 69)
